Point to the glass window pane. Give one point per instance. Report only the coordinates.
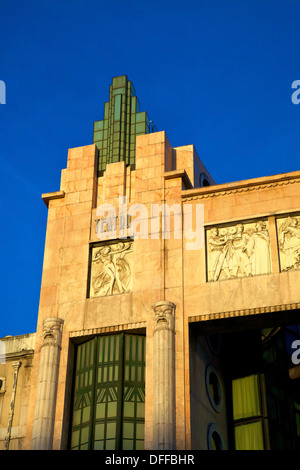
(249, 436)
(76, 417)
(106, 350)
(133, 348)
(98, 125)
(110, 444)
(117, 347)
(100, 349)
(140, 410)
(100, 410)
(116, 373)
(75, 438)
(86, 413)
(140, 349)
(245, 397)
(140, 127)
(99, 431)
(117, 110)
(128, 430)
(128, 411)
(98, 445)
(84, 435)
(112, 409)
(110, 430)
(140, 117)
(127, 444)
(139, 445)
(127, 348)
(103, 413)
(112, 348)
(140, 430)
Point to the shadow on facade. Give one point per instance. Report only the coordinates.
(245, 383)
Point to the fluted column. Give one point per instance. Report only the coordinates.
(43, 424)
(164, 376)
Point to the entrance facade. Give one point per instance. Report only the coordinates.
(152, 275)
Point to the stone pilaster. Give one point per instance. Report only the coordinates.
(164, 376)
(43, 424)
(16, 365)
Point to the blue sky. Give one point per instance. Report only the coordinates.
(213, 73)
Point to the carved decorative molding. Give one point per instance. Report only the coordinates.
(238, 250)
(52, 331)
(108, 329)
(239, 187)
(111, 269)
(164, 315)
(244, 312)
(288, 229)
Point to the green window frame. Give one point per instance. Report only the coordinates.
(108, 409)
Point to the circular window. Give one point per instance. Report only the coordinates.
(214, 388)
(203, 180)
(214, 438)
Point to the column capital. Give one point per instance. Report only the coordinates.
(16, 365)
(52, 330)
(164, 315)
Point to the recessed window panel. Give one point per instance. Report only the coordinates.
(108, 404)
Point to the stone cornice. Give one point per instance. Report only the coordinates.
(55, 195)
(179, 174)
(244, 312)
(108, 329)
(27, 352)
(241, 186)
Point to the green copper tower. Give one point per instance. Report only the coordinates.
(115, 135)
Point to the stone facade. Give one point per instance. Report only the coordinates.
(16, 355)
(246, 267)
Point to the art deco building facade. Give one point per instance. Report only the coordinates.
(169, 304)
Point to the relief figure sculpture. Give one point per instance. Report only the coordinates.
(241, 247)
(289, 244)
(259, 249)
(238, 251)
(217, 244)
(114, 272)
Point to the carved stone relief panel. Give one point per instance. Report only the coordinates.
(111, 269)
(288, 232)
(238, 250)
